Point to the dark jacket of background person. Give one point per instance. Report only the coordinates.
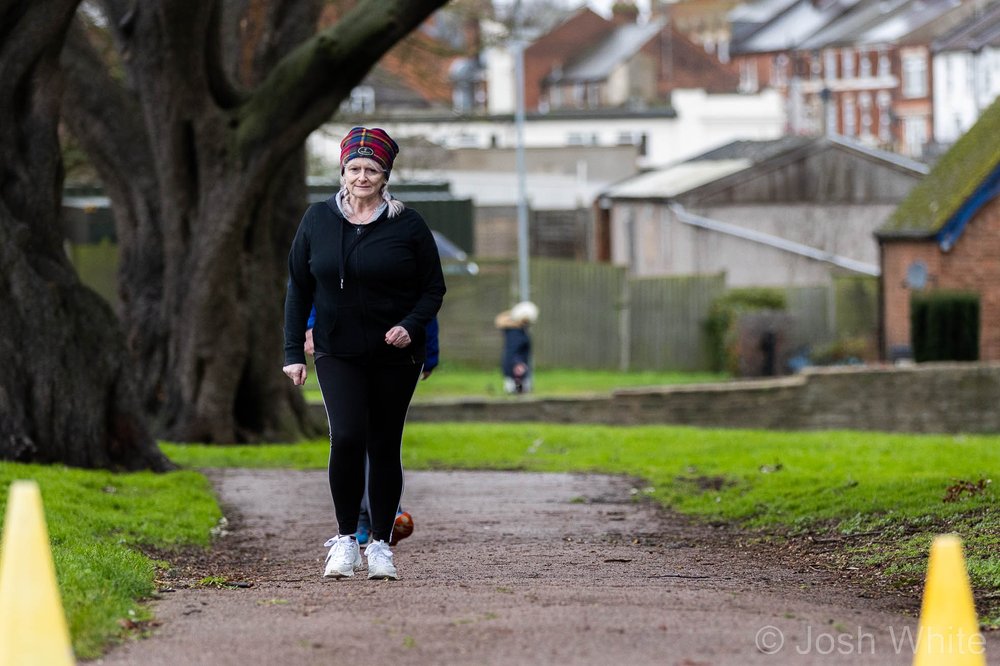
(392, 276)
(516, 349)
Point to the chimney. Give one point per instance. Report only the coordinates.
(472, 37)
(623, 12)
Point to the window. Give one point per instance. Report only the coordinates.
(850, 116)
(865, 102)
(780, 70)
(864, 65)
(748, 76)
(362, 100)
(884, 66)
(914, 136)
(593, 95)
(914, 74)
(830, 65)
(884, 117)
(847, 63)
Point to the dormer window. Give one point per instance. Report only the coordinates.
(361, 101)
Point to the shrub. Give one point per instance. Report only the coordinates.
(721, 322)
(944, 326)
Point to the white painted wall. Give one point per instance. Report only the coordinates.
(706, 121)
(703, 122)
(499, 81)
(647, 237)
(965, 83)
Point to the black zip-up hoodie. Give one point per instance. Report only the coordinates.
(391, 276)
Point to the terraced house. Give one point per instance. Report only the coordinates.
(860, 68)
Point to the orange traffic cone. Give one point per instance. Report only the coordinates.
(949, 631)
(32, 625)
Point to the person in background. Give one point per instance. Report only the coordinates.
(371, 268)
(403, 525)
(515, 359)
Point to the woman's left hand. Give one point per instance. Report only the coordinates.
(397, 337)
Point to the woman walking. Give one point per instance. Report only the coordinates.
(371, 268)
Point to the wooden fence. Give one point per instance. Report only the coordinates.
(593, 315)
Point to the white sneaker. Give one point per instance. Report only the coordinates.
(344, 557)
(380, 561)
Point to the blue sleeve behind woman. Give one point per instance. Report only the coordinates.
(433, 348)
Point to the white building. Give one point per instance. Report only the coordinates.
(699, 122)
(966, 74)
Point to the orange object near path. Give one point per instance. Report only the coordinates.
(402, 528)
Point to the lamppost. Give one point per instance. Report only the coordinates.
(524, 288)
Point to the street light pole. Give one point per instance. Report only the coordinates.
(524, 288)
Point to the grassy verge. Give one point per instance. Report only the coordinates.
(458, 382)
(889, 493)
(97, 521)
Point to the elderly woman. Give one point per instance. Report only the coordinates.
(371, 268)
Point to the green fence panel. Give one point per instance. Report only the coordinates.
(667, 317)
(467, 334)
(578, 324)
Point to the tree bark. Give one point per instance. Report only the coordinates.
(200, 179)
(67, 391)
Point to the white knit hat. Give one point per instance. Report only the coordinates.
(524, 312)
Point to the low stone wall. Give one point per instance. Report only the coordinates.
(945, 398)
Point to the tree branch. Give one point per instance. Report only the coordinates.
(306, 87)
(102, 114)
(220, 86)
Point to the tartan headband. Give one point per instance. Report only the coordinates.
(373, 143)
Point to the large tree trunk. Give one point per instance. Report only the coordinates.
(67, 391)
(200, 169)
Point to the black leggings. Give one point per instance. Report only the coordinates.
(366, 406)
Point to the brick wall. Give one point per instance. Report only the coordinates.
(972, 265)
(927, 398)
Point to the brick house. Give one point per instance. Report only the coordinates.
(946, 236)
(588, 62)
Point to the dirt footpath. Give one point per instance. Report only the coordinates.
(507, 568)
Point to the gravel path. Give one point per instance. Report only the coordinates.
(507, 568)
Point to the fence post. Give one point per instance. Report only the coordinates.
(625, 324)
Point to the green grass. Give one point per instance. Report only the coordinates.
(97, 521)
(449, 381)
(887, 488)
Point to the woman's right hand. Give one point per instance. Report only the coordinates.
(296, 372)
